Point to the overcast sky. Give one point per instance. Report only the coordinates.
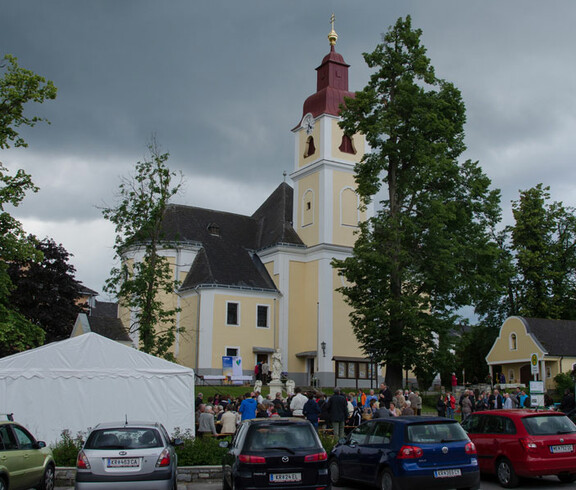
(221, 83)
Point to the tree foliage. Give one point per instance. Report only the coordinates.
(543, 244)
(18, 86)
(143, 282)
(46, 292)
(429, 249)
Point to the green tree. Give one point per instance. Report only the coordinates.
(18, 86)
(429, 249)
(543, 245)
(142, 284)
(46, 292)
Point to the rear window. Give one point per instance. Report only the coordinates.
(293, 436)
(435, 432)
(545, 425)
(124, 438)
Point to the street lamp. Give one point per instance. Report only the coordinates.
(323, 345)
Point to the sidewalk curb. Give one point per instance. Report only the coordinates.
(66, 476)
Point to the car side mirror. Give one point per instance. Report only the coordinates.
(40, 444)
(177, 442)
(342, 440)
(224, 444)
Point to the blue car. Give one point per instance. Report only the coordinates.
(400, 453)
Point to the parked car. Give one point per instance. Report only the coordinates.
(136, 455)
(515, 443)
(279, 452)
(24, 461)
(405, 453)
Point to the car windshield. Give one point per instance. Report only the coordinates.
(435, 432)
(281, 436)
(124, 438)
(545, 425)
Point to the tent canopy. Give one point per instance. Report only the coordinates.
(82, 381)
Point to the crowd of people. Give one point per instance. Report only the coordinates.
(340, 411)
(474, 400)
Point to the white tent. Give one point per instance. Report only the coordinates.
(79, 382)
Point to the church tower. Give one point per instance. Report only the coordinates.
(325, 202)
(325, 216)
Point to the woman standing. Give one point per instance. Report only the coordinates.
(441, 406)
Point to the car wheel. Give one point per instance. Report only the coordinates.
(567, 477)
(506, 474)
(334, 471)
(225, 484)
(3, 484)
(47, 482)
(387, 480)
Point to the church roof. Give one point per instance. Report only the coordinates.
(331, 86)
(557, 337)
(229, 241)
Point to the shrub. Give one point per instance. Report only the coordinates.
(199, 451)
(563, 381)
(66, 449)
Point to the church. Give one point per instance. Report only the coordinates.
(251, 285)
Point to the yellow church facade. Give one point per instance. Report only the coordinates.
(253, 284)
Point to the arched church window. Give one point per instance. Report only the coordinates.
(348, 207)
(309, 149)
(347, 145)
(513, 342)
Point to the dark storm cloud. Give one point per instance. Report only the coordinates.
(221, 83)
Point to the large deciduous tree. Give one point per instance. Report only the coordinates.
(428, 249)
(18, 86)
(543, 245)
(145, 277)
(46, 292)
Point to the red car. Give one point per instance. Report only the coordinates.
(516, 443)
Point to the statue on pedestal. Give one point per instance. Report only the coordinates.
(276, 365)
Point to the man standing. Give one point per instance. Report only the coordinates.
(385, 396)
(495, 400)
(248, 407)
(297, 403)
(338, 410)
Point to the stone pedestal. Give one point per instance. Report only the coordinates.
(275, 386)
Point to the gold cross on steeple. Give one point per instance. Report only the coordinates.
(332, 37)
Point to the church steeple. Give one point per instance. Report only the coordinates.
(331, 82)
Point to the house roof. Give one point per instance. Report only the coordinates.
(557, 337)
(229, 241)
(111, 328)
(104, 309)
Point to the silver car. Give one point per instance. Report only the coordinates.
(136, 455)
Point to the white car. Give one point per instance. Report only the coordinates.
(136, 455)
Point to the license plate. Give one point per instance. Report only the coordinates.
(564, 448)
(447, 473)
(123, 462)
(285, 477)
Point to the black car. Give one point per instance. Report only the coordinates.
(278, 452)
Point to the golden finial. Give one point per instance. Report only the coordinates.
(332, 37)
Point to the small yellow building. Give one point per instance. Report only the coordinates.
(553, 342)
(253, 284)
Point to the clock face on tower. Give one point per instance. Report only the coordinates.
(308, 123)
